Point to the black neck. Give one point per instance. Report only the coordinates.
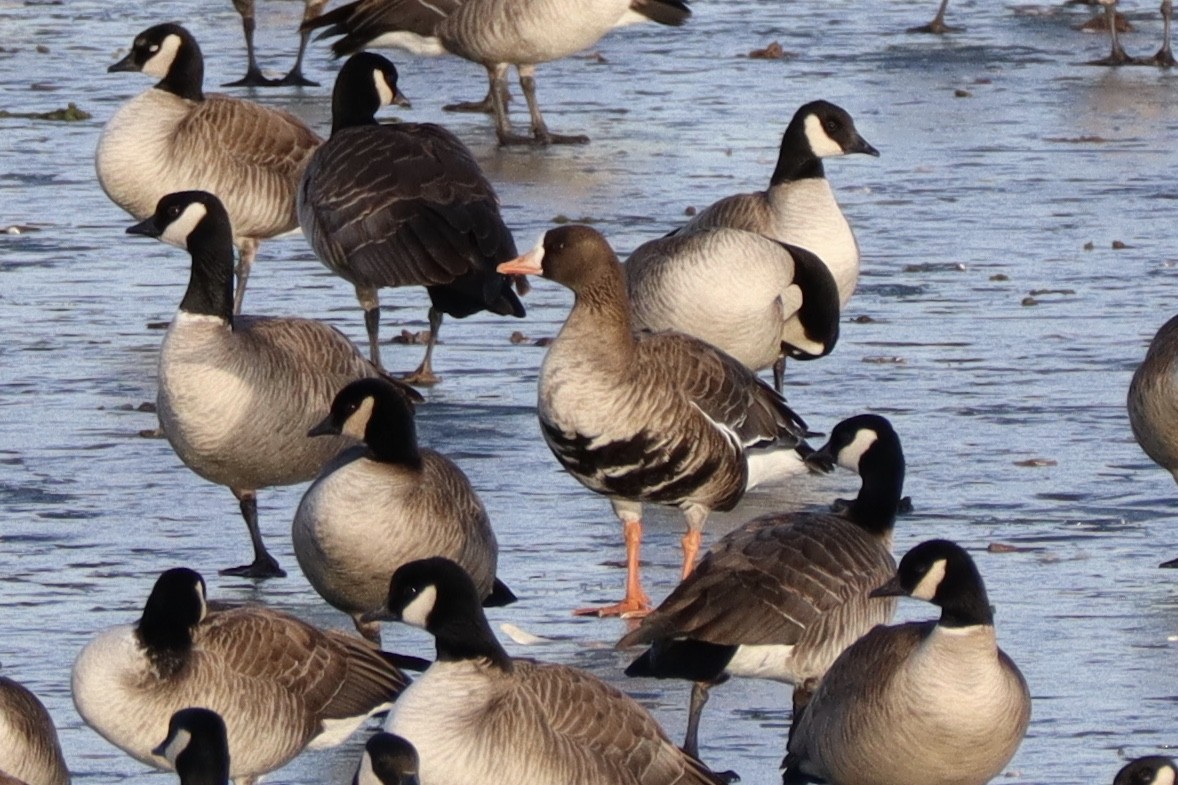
(967, 604)
(796, 161)
(210, 285)
(353, 108)
(469, 637)
(391, 435)
(166, 643)
(203, 767)
(186, 76)
(881, 469)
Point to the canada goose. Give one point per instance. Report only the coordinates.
(403, 205)
(923, 703)
(174, 137)
(237, 394)
(799, 207)
(755, 298)
(1150, 770)
(780, 597)
(1153, 402)
(280, 684)
(197, 747)
(476, 709)
(29, 749)
(662, 417)
(253, 75)
(496, 34)
(384, 503)
(388, 760)
(1163, 57)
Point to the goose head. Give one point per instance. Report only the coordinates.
(197, 746)
(864, 444)
(388, 760)
(185, 219)
(177, 603)
(378, 413)
(828, 130)
(941, 572)
(575, 256)
(169, 53)
(366, 82)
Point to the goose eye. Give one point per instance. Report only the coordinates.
(174, 211)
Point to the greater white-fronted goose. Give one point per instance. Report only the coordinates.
(403, 204)
(922, 703)
(662, 417)
(388, 760)
(253, 75)
(174, 137)
(1150, 770)
(280, 684)
(237, 394)
(1153, 402)
(496, 34)
(197, 747)
(799, 207)
(384, 503)
(477, 710)
(29, 749)
(780, 597)
(759, 300)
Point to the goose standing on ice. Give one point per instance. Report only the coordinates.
(253, 75)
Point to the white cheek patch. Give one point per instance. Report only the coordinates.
(357, 423)
(822, 145)
(176, 745)
(1165, 776)
(204, 603)
(927, 588)
(365, 774)
(383, 88)
(176, 233)
(849, 456)
(165, 54)
(417, 612)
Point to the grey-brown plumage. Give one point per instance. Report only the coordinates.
(661, 418)
(29, 749)
(783, 595)
(280, 684)
(237, 394)
(923, 703)
(403, 204)
(478, 710)
(173, 137)
(384, 503)
(1153, 402)
(253, 75)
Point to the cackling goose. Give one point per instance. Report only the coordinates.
(478, 710)
(280, 684)
(662, 418)
(755, 298)
(1153, 402)
(403, 204)
(496, 34)
(782, 596)
(174, 137)
(1117, 56)
(388, 760)
(1150, 770)
(237, 394)
(253, 75)
(922, 703)
(197, 747)
(799, 207)
(29, 749)
(384, 503)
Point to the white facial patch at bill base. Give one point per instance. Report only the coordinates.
(176, 745)
(164, 55)
(176, 233)
(927, 588)
(820, 142)
(417, 612)
(357, 422)
(849, 456)
(383, 88)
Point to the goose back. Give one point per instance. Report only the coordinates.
(525, 32)
(29, 748)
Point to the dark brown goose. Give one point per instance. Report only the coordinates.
(29, 749)
(237, 394)
(799, 207)
(1153, 402)
(280, 684)
(496, 34)
(782, 596)
(477, 710)
(174, 137)
(403, 204)
(662, 418)
(922, 703)
(385, 503)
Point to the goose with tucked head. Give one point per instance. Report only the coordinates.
(197, 747)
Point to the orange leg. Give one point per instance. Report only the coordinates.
(691, 542)
(635, 603)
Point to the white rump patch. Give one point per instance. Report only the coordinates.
(773, 466)
(821, 143)
(160, 63)
(417, 612)
(365, 775)
(927, 588)
(849, 456)
(176, 233)
(337, 731)
(763, 662)
(383, 88)
(357, 422)
(177, 745)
